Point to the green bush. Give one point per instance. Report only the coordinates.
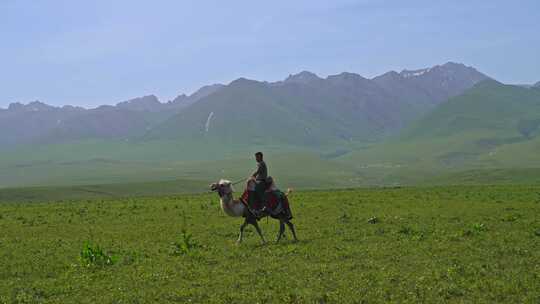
(185, 245)
(479, 227)
(93, 255)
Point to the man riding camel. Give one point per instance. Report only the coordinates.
(259, 176)
(262, 197)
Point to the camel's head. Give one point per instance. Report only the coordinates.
(223, 187)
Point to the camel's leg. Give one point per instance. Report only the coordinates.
(241, 236)
(291, 226)
(254, 223)
(281, 230)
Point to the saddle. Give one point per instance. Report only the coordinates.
(275, 202)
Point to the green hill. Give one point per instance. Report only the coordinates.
(489, 126)
(490, 106)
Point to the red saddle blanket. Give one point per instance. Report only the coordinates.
(272, 198)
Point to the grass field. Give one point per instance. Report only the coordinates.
(105, 191)
(98, 163)
(462, 244)
(414, 162)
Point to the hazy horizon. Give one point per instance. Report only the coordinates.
(96, 53)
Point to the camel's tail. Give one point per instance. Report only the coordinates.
(289, 191)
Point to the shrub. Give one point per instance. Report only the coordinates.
(476, 228)
(479, 227)
(185, 245)
(93, 255)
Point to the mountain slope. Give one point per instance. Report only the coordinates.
(489, 106)
(25, 124)
(346, 108)
(183, 101)
(305, 109)
(37, 123)
(105, 122)
(444, 81)
(245, 110)
(489, 126)
(146, 103)
(426, 88)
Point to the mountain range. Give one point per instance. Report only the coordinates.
(37, 123)
(304, 110)
(447, 122)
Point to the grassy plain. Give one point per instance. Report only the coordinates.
(107, 163)
(459, 244)
(132, 166)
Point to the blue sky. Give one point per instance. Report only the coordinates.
(102, 52)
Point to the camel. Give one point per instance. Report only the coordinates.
(235, 208)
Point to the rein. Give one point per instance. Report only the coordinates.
(238, 181)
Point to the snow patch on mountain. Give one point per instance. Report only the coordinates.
(415, 73)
